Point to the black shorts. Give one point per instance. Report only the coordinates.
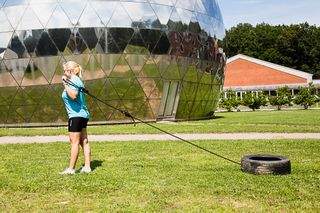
(76, 124)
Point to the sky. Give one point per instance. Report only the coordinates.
(273, 12)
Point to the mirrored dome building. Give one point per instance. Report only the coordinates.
(157, 59)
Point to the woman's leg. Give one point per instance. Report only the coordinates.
(86, 147)
(74, 141)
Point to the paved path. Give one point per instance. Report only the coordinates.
(225, 136)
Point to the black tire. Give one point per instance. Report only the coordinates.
(266, 164)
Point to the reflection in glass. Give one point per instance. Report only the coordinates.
(158, 59)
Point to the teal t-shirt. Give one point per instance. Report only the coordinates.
(76, 107)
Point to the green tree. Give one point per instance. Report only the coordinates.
(295, 46)
(254, 101)
(283, 97)
(306, 96)
(229, 101)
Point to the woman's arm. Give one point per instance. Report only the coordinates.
(71, 93)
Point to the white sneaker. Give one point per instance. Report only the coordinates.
(85, 170)
(68, 171)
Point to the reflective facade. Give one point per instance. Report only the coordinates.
(157, 59)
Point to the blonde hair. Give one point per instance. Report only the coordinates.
(75, 68)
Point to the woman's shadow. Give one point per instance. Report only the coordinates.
(95, 163)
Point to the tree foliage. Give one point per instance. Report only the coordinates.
(229, 100)
(283, 97)
(254, 101)
(294, 46)
(306, 96)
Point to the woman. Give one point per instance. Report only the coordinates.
(78, 114)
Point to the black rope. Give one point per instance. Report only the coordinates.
(127, 114)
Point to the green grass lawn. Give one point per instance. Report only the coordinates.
(159, 176)
(259, 121)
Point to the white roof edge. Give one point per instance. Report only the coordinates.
(264, 87)
(288, 70)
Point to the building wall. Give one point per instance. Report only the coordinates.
(245, 73)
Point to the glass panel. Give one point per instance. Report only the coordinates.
(154, 106)
(82, 59)
(211, 8)
(175, 39)
(17, 47)
(4, 23)
(121, 85)
(171, 98)
(189, 5)
(121, 69)
(150, 69)
(3, 112)
(205, 23)
(108, 92)
(93, 70)
(163, 13)
(59, 19)
(163, 45)
(90, 36)
(136, 62)
(121, 36)
(14, 117)
(151, 39)
(22, 99)
(6, 79)
(120, 18)
(104, 9)
(164, 2)
(165, 91)
(36, 92)
(194, 26)
(53, 95)
(17, 68)
(137, 0)
(33, 2)
(89, 18)
(221, 33)
(2, 2)
(134, 92)
(60, 37)
(43, 11)
(32, 77)
(185, 16)
(137, 45)
(200, 7)
(149, 86)
(29, 21)
(4, 42)
(175, 23)
(14, 14)
(182, 66)
(73, 9)
(107, 62)
(15, 2)
(191, 74)
(106, 43)
(46, 65)
(45, 46)
(142, 15)
(76, 44)
(30, 39)
(145, 111)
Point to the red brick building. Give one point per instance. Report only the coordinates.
(244, 73)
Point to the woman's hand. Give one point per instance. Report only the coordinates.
(64, 80)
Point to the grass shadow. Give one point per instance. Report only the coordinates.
(95, 163)
(217, 117)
